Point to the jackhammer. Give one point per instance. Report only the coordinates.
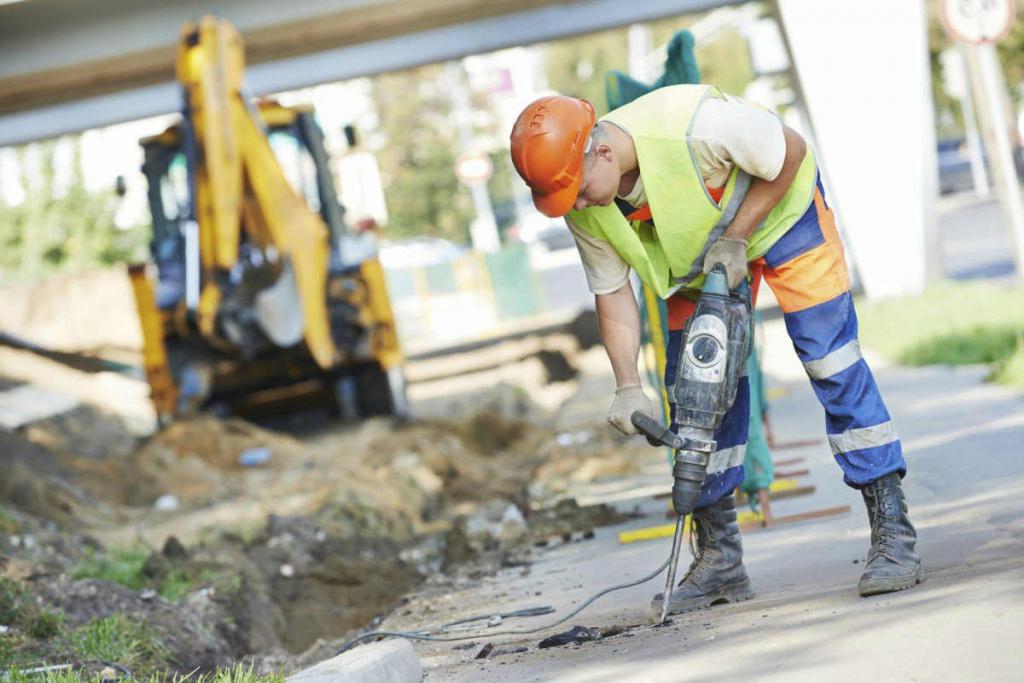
(714, 352)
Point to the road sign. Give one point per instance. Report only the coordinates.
(474, 168)
(978, 22)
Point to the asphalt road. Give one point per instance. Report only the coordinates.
(964, 442)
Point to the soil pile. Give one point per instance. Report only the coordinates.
(272, 543)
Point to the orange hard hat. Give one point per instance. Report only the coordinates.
(548, 142)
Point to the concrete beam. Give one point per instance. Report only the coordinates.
(102, 76)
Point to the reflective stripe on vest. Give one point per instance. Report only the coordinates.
(739, 193)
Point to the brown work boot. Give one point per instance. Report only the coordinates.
(893, 562)
(716, 574)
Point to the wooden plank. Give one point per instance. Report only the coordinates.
(801, 443)
(777, 486)
(792, 474)
(781, 495)
(750, 525)
(788, 461)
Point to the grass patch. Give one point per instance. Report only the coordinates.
(1011, 370)
(14, 601)
(127, 567)
(121, 565)
(951, 324)
(117, 639)
(238, 673)
(45, 625)
(7, 523)
(27, 622)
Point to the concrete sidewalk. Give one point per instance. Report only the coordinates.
(964, 442)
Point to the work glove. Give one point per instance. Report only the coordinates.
(731, 252)
(629, 399)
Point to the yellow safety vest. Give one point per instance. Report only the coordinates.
(669, 250)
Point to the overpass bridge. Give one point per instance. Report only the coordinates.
(70, 66)
(861, 67)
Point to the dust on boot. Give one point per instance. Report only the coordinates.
(893, 562)
(716, 574)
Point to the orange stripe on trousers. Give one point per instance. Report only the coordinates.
(816, 276)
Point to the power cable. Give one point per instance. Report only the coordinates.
(424, 635)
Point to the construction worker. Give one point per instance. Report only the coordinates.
(668, 185)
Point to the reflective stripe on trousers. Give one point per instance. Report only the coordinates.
(807, 272)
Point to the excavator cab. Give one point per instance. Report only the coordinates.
(262, 299)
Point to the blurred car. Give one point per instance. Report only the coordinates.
(955, 165)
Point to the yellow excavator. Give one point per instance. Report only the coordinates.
(260, 297)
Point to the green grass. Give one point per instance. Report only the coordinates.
(233, 674)
(29, 623)
(1011, 370)
(13, 601)
(117, 639)
(120, 565)
(126, 566)
(45, 625)
(951, 324)
(7, 523)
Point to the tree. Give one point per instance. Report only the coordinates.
(577, 66)
(47, 234)
(418, 161)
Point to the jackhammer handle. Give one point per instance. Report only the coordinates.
(655, 432)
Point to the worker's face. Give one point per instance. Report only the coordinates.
(600, 179)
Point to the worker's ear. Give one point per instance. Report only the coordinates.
(602, 151)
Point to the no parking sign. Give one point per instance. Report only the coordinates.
(978, 22)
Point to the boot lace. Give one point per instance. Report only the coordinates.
(887, 524)
(700, 532)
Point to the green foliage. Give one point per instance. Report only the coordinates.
(725, 62)
(127, 567)
(1010, 371)
(117, 639)
(1010, 50)
(45, 624)
(122, 566)
(418, 164)
(951, 324)
(238, 673)
(13, 601)
(175, 585)
(577, 66)
(48, 234)
(13, 675)
(8, 525)
(28, 621)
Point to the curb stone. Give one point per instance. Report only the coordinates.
(389, 661)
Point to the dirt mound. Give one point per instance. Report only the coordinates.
(587, 455)
(111, 622)
(78, 312)
(221, 443)
(84, 431)
(34, 482)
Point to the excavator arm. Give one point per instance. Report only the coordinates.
(239, 189)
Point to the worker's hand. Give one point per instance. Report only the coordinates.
(731, 252)
(628, 399)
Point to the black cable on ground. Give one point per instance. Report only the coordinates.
(423, 636)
